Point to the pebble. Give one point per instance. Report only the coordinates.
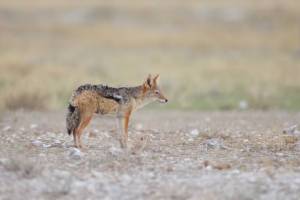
(61, 173)
(139, 126)
(115, 151)
(36, 143)
(194, 132)
(95, 130)
(252, 179)
(51, 134)
(46, 145)
(236, 171)
(33, 126)
(3, 160)
(292, 130)
(214, 143)
(106, 134)
(207, 119)
(279, 154)
(243, 105)
(75, 154)
(6, 128)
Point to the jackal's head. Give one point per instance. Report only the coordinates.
(152, 91)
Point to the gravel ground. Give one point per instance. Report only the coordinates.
(172, 155)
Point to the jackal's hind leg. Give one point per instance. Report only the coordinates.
(75, 139)
(81, 127)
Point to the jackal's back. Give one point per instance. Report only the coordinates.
(96, 99)
(121, 95)
(101, 90)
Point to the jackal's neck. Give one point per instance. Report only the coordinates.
(136, 92)
(141, 99)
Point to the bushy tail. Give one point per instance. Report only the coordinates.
(73, 118)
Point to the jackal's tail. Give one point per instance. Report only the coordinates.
(73, 118)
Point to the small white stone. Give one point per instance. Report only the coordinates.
(42, 155)
(6, 128)
(60, 134)
(115, 151)
(243, 105)
(46, 145)
(126, 178)
(252, 179)
(95, 130)
(57, 141)
(36, 143)
(3, 160)
(97, 174)
(213, 142)
(292, 130)
(138, 133)
(279, 154)
(61, 173)
(236, 171)
(207, 119)
(33, 126)
(139, 126)
(156, 131)
(106, 134)
(75, 153)
(51, 134)
(194, 132)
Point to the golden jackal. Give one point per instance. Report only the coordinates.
(89, 99)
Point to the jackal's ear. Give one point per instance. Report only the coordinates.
(148, 82)
(155, 78)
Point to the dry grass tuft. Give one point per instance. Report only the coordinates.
(213, 54)
(27, 101)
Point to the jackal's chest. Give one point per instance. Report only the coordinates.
(140, 103)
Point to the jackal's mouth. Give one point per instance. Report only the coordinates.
(163, 100)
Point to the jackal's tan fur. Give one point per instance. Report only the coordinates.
(89, 99)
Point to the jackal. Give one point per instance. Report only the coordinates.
(89, 99)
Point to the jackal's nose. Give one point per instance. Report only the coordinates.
(166, 100)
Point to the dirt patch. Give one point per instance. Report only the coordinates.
(172, 155)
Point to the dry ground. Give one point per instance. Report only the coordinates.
(186, 155)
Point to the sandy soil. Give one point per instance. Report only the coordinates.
(172, 155)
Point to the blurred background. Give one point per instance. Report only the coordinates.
(211, 54)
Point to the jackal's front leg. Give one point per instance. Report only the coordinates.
(123, 122)
(121, 132)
